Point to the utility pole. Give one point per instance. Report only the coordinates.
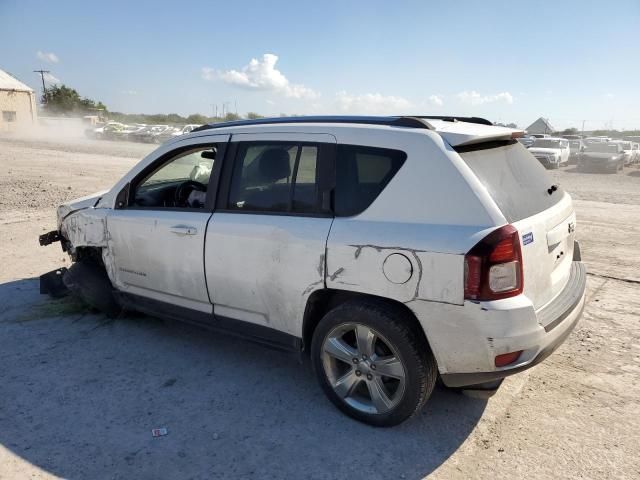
(583, 128)
(225, 108)
(42, 72)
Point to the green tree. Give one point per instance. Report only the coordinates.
(175, 118)
(196, 118)
(570, 131)
(254, 115)
(61, 99)
(231, 116)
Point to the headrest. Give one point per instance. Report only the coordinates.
(274, 164)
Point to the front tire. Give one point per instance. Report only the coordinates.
(373, 362)
(89, 281)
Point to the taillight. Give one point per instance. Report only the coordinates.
(493, 268)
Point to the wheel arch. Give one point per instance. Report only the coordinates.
(322, 301)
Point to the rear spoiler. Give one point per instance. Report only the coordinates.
(458, 133)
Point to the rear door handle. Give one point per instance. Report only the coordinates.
(183, 230)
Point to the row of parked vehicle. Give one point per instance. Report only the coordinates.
(138, 132)
(588, 153)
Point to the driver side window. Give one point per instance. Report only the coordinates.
(180, 182)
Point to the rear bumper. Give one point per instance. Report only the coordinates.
(554, 323)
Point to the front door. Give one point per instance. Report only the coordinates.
(157, 238)
(266, 241)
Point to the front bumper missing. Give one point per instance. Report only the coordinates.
(51, 283)
(50, 237)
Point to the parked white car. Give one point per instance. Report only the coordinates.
(184, 130)
(550, 151)
(627, 151)
(392, 250)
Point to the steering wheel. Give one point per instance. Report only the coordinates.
(184, 190)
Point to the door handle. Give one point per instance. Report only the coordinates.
(183, 230)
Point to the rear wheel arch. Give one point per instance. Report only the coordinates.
(323, 301)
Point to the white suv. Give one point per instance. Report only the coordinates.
(392, 249)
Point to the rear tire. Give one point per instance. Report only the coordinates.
(373, 363)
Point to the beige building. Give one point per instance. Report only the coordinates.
(17, 103)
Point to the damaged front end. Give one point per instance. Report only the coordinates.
(50, 237)
(82, 233)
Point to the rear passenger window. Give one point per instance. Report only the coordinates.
(275, 177)
(361, 174)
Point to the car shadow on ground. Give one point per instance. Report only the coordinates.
(81, 394)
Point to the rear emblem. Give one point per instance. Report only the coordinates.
(572, 227)
(527, 238)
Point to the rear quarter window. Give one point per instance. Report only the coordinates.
(514, 178)
(361, 174)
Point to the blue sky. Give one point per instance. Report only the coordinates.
(504, 60)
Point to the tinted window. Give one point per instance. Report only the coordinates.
(361, 174)
(603, 148)
(275, 177)
(544, 143)
(515, 180)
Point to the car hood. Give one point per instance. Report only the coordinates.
(79, 204)
(600, 155)
(550, 151)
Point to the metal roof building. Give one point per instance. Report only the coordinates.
(17, 103)
(541, 125)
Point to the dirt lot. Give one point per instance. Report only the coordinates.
(79, 394)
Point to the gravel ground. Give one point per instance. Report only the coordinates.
(80, 393)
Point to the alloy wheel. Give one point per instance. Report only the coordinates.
(363, 368)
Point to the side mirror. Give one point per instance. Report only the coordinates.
(122, 199)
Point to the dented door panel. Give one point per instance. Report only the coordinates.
(262, 268)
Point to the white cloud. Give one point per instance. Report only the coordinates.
(474, 98)
(48, 57)
(270, 102)
(129, 92)
(371, 104)
(609, 95)
(51, 79)
(436, 100)
(260, 75)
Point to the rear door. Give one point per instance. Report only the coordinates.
(541, 211)
(266, 241)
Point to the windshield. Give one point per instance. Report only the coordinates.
(514, 178)
(603, 148)
(626, 145)
(546, 143)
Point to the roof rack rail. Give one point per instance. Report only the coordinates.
(409, 122)
(449, 118)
